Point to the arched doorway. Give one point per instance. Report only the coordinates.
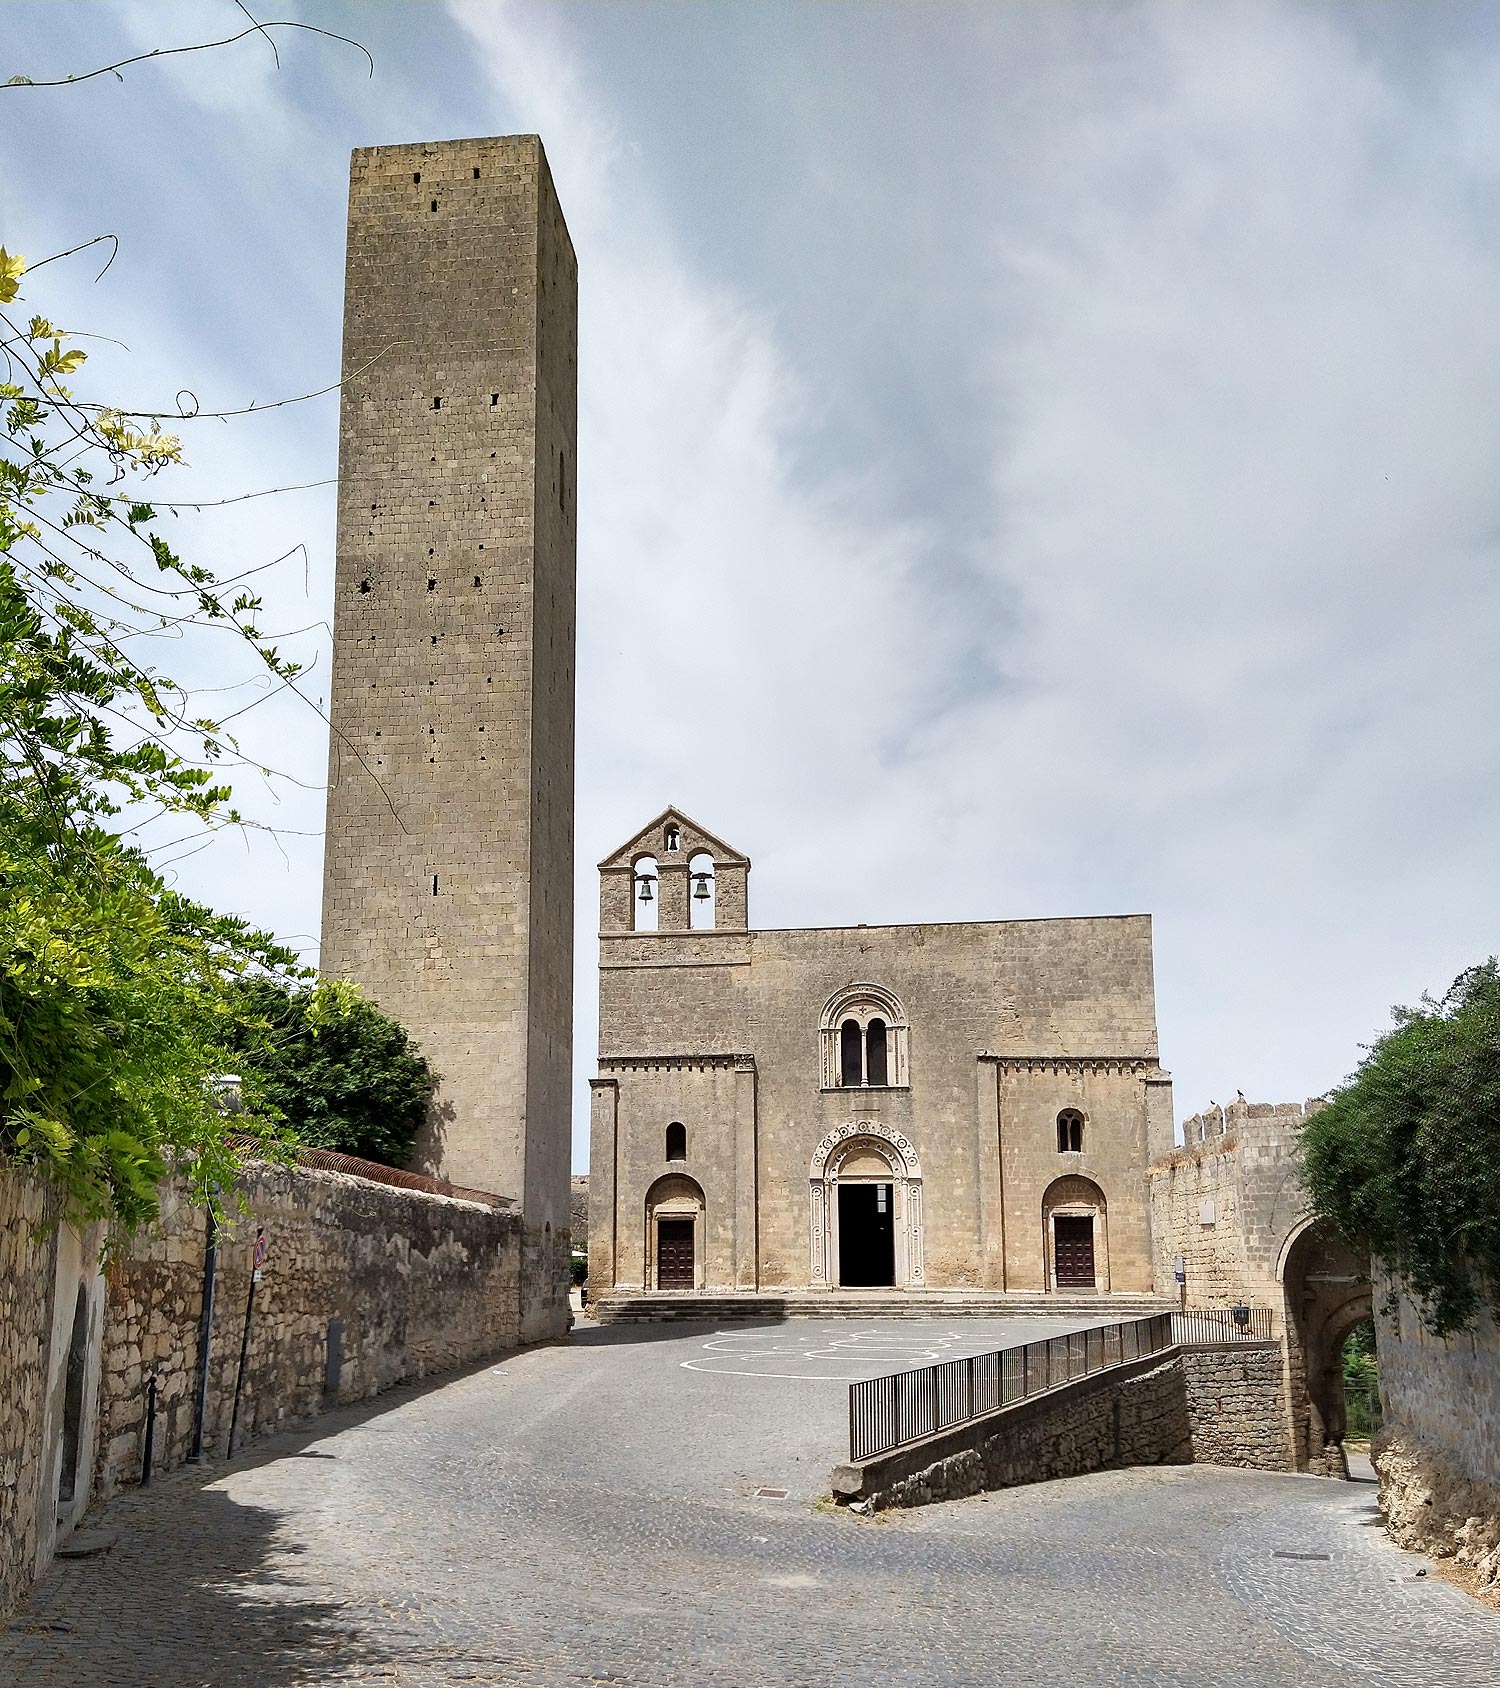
(1075, 1236)
(866, 1209)
(674, 1233)
(1326, 1290)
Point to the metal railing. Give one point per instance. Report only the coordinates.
(888, 1412)
(1223, 1324)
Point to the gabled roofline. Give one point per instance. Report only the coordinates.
(722, 851)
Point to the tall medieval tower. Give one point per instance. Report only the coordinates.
(448, 879)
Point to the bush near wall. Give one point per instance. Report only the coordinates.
(1405, 1159)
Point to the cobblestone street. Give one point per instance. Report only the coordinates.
(588, 1512)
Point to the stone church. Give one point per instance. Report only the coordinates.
(955, 1107)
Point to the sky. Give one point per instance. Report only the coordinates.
(1033, 460)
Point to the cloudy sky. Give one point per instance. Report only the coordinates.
(1034, 459)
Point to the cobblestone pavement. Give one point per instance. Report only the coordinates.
(587, 1513)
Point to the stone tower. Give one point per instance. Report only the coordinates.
(448, 878)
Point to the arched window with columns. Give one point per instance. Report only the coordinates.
(865, 1039)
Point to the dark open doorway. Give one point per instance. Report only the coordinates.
(867, 1236)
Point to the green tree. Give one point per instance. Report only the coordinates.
(341, 1074)
(116, 1004)
(1405, 1158)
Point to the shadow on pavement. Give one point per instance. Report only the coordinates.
(197, 1590)
(201, 1589)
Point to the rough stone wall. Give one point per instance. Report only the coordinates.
(1215, 1406)
(410, 1283)
(27, 1268)
(1010, 1022)
(448, 886)
(1227, 1201)
(51, 1316)
(1444, 1390)
(1236, 1403)
(1438, 1453)
(1135, 1415)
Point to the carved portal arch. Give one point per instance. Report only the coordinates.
(858, 1151)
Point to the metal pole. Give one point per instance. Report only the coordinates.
(205, 1332)
(150, 1430)
(239, 1376)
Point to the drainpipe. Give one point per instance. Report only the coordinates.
(205, 1333)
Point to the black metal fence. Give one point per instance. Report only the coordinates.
(888, 1412)
(1223, 1324)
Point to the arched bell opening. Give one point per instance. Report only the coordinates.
(703, 893)
(645, 895)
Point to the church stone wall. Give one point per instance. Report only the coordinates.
(1009, 1022)
(449, 875)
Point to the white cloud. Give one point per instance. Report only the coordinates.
(1033, 460)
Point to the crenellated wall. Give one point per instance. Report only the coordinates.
(1227, 1202)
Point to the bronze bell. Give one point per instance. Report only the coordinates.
(646, 893)
(700, 887)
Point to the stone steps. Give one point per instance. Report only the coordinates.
(635, 1307)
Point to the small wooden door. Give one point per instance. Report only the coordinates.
(674, 1254)
(1073, 1250)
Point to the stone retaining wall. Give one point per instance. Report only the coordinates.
(364, 1286)
(1134, 1414)
(1236, 1401)
(1217, 1406)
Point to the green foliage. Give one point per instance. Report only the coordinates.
(1405, 1159)
(117, 1004)
(342, 1074)
(1361, 1380)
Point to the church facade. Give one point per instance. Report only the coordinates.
(967, 1106)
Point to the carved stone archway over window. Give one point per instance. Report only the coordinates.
(865, 1038)
(854, 1144)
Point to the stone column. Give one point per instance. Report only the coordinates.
(746, 1177)
(991, 1187)
(604, 1103)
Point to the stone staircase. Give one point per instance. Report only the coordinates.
(618, 1307)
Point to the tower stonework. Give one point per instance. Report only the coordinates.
(448, 876)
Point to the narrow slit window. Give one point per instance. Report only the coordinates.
(676, 1141)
